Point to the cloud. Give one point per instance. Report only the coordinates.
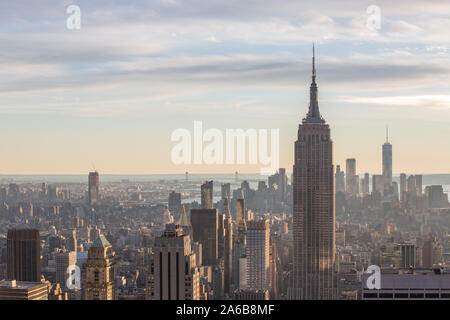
(427, 101)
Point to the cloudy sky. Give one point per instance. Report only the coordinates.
(112, 92)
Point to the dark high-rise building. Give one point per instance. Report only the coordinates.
(387, 160)
(24, 255)
(313, 215)
(93, 191)
(100, 280)
(207, 195)
(205, 230)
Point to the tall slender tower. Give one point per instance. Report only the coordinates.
(387, 160)
(313, 216)
(93, 187)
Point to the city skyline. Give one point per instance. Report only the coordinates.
(114, 100)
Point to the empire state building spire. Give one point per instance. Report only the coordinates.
(313, 115)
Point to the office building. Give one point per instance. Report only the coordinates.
(205, 229)
(174, 271)
(100, 283)
(340, 179)
(207, 195)
(257, 255)
(64, 259)
(24, 255)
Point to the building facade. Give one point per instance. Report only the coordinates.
(100, 282)
(313, 215)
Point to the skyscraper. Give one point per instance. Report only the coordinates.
(340, 179)
(352, 181)
(24, 255)
(313, 214)
(257, 254)
(175, 273)
(207, 195)
(205, 230)
(93, 191)
(366, 183)
(387, 160)
(402, 186)
(100, 271)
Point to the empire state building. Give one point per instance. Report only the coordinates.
(313, 215)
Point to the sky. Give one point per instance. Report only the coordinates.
(110, 94)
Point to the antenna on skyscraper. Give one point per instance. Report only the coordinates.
(93, 166)
(387, 134)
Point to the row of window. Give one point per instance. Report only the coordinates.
(406, 296)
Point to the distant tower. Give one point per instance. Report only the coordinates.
(340, 179)
(93, 191)
(23, 255)
(207, 195)
(387, 160)
(352, 180)
(403, 186)
(100, 283)
(313, 212)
